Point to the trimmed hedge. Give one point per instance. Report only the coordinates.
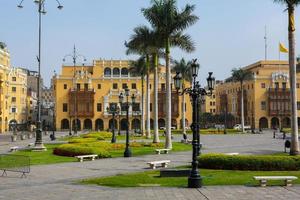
(72, 150)
(84, 140)
(97, 135)
(249, 162)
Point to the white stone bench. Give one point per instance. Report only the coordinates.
(263, 179)
(15, 148)
(166, 151)
(163, 163)
(231, 154)
(80, 158)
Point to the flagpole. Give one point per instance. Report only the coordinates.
(266, 43)
(279, 51)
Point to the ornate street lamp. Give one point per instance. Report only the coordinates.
(195, 92)
(113, 109)
(74, 57)
(127, 152)
(41, 10)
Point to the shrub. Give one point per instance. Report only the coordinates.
(98, 134)
(82, 140)
(117, 146)
(157, 145)
(72, 150)
(249, 162)
(135, 144)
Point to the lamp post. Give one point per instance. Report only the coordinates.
(113, 109)
(74, 57)
(41, 10)
(127, 152)
(195, 92)
(53, 123)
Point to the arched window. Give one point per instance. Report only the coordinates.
(116, 72)
(124, 72)
(107, 72)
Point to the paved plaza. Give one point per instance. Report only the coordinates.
(59, 181)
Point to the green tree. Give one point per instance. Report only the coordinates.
(168, 21)
(240, 75)
(183, 68)
(291, 4)
(138, 68)
(145, 42)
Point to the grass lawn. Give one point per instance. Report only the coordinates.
(45, 157)
(210, 177)
(138, 151)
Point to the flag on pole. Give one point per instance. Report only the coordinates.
(282, 48)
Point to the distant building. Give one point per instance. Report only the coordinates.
(266, 97)
(13, 95)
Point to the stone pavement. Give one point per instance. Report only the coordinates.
(58, 181)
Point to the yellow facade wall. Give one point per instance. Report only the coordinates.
(266, 74)
(104, 93)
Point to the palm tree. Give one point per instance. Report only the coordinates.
(183, 68)
(144, 42)
(240, 75)
(291, 4)
(168, 21)
(138, 68)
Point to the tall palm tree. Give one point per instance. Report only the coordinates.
(144, 42)
(138, 68)
(168, 21)
(155, 123)
(291, 4)
(240, 75)
(183, 68)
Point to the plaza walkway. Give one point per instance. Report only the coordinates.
(59, 181)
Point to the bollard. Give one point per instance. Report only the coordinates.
(274, 134)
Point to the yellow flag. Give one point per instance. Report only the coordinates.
(282, 48)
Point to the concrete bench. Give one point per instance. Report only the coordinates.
(231, 154)
(80, 158)
(163, 163)
(166, 151)
(15, 148)
(263, 179)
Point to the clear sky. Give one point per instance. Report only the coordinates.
(230, 33)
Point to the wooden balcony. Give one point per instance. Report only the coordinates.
(162, 104)
(279, 102)
(84, 105)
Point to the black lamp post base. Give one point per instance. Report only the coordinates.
(195, 182)
(113, 140)
(39, 147)
(127, 153)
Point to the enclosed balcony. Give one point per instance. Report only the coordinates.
(84, 102)
(279, 102)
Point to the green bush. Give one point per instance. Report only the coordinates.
(249, 162)
(98, 135)
(82, 140)
(72, 150)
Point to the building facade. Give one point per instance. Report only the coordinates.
(266, 96)
(97, 86)
(13, 93)
(208, 104)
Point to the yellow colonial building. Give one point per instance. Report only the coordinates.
(208, 104)
(13, 92)
(266, 96)
(97, 86)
